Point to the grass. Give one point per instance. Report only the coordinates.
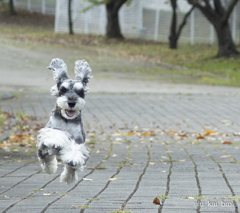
(2, 120)
(187, 64)
(163, 196)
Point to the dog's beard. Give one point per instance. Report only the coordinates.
(66, 111)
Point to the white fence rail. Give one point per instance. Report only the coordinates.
(143, 19)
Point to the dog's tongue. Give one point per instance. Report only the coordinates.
(70, 113)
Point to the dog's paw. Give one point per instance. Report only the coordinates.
(49, 164)
(57, 147)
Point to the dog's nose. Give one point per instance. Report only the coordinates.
(71, 104)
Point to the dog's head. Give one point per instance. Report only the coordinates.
(70, 92)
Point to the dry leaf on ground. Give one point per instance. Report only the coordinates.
(157, 201)
(112, 179)
(227, 142)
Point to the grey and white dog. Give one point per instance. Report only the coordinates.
(64, 135)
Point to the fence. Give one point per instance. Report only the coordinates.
(39, 6)
(143, 19)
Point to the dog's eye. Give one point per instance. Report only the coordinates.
(81, 93)
(63, 90)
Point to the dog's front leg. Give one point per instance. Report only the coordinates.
(74, 159)
(48, 162)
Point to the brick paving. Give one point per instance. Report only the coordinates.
(147, 144)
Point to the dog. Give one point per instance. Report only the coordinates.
(64, 136)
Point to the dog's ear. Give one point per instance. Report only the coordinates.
(82, 71)
(59, 69)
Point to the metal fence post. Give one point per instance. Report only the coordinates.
(43, 7)
(56, 16)
(29, 5)
(156, 24)
(140, 21)
(86, 19)
(211, 34)
(192, 28)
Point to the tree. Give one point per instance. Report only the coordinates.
(70, 24)
(218, 16)
(11, 8)
(174, 33)
(113, 29)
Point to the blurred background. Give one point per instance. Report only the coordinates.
(160, 42)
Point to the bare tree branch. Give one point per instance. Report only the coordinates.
(229, 10)
(184, 21)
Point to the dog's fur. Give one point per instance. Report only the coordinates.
(64, 135)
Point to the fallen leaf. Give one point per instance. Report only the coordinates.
(208, 132)
(227, 142)
(116, 134)
(157, 201)
(200, 137)
(192, 198)
(152, 133)
(112, 179)
(47, 194)
(183, 134)
(129, 133)
(226, 156)
(87, 179)
(172, 132)
(145, 134)
(117, 143)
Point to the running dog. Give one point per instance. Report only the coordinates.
(64, 135)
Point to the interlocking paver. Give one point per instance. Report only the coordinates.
(189, 175)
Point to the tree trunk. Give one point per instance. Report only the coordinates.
(226, 46)
(70, 24)
(218, 15)
(113, 27)
(11, 8)
(173, 34)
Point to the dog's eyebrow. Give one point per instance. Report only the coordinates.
(65, 84)
(78, 86)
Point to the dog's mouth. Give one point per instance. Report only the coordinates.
(70, 113)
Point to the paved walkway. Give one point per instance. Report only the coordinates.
(142, 146)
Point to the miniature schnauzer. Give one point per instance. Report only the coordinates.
(64, 135)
